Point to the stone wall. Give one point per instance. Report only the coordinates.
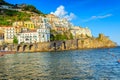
(103, 42)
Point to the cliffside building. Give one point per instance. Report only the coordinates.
(29, 24)
(28, 37)
(24, 24)
(44, 32)
(9, 33)
(79, 32)
(58, 24)
(40, 34)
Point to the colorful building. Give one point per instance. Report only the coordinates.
(44, 32)
(1, 37)
(36, 20)
(58, 24)
(18, 23)
(9, 33)
(28, 37)
(29, 24)
(79, 32)
(52, 18)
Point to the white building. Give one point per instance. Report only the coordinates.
(65, 23)
(37, 20)
(43, 28)
(5, 7)
(78, 31)
(44, 32)
(28, 37)
(9, 33)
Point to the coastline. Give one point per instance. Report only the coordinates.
(68, 50)
(15, 52)
(76, 44)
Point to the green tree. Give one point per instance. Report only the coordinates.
(15, 40)
(71, 36)
(31, 8)
(52, 37)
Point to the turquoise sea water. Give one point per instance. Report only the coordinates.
(92, 64)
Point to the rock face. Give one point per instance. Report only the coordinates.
(79, 32)
(75, 44)
(95, 43)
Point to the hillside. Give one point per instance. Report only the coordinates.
(55, 36)
(16, 12)
(7, 17)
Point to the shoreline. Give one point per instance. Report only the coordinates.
(15, 52)
(76, 44)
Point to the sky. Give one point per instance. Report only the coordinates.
(100, 16)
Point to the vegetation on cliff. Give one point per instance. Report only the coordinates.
(8, 16)
(60, 36)
(31, 8)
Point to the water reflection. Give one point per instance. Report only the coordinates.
(64, 65)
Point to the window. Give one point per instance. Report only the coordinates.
(26, 39)
(43, 36)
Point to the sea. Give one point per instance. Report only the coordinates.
(90, 64)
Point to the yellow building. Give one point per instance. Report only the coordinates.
(18, 23)
(29, 25)
(36, 20)
(26, 24)
(1, 36)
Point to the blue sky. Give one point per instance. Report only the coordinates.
(101, 16)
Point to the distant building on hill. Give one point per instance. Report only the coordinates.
(79, 32)
(52, 18)
(58, 24)
(37, 20)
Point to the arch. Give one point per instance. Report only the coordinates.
(77, 43)
(18, 47)
(64, 44)
(30, 47)
(54, 45)
(24, 47)
(5, 48)
(11, 47)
